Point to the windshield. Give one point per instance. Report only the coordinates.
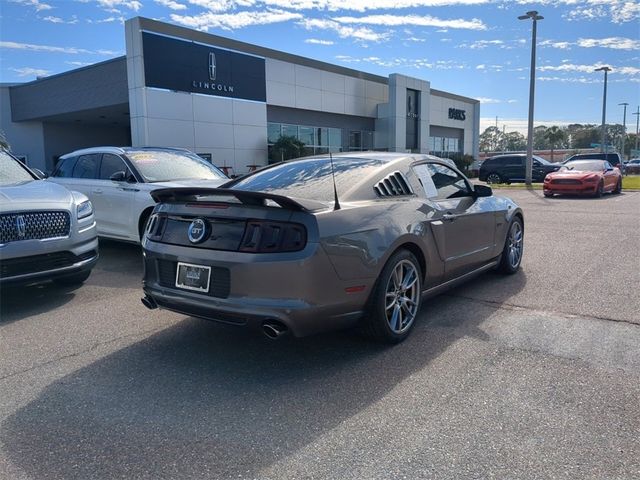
(165, 166)
(542, 160)
(585, 165)
(310, 178)
(11, 171)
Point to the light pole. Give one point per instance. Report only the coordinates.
(604, 106)
(533, 15)
(637, 114)
(624, 127)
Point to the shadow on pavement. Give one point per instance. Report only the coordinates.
(18, 302)
(206, 401)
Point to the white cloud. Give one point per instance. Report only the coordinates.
(482, 44)
(78, 64)
(31, 72)
(488, 100)
(363, 34)
(113, 5)
(417, 63)
(482, 66)
(336, 5)
(568, 79)
(171, 4)
(316, 41)
(52, 49)
(37, 4)
(413, 20)
(228, 21)
(570, 67)
(615, 43)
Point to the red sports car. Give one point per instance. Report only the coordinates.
(583, 177)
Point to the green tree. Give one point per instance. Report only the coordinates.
(539, 139)
(554, 136)
(513, 141)
(286, 148)
(490, 139)
(3, 141)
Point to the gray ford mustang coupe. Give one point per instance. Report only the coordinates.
(324, 243)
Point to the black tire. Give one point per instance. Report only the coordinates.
(376, 324)
(618, 188)
(599, 190)
(493, 177)
(73, 279)
(511, 257)
(548, 195)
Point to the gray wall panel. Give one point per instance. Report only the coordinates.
(98, 85)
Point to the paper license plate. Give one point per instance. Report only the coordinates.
(193, 277)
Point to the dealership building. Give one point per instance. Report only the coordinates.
(229, 101)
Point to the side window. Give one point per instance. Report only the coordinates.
(607, 165)
(514, 161)
(87, 166)
(65, 168)
(448, 183)
(110, 165)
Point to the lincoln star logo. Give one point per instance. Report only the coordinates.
(21, 226)
(212, 66)
(197, 231)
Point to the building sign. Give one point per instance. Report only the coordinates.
(191, 67)
(455, 114)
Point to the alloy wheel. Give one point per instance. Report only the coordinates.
(494, 178)
(515, 243)
(402, 296)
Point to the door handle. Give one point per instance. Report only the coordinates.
(127, 189)
(97, 190)
(448, 217)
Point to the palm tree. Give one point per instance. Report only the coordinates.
(554, 135)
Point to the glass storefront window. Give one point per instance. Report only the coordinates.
(335, 137)
(355, 140)
(306, 135)
(290, 130)
(273, 132)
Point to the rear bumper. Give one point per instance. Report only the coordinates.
(300, 290)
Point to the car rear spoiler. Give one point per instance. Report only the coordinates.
(259, 199)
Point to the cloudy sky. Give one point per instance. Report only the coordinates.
(476, 48)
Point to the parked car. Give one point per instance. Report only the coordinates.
(511, 168)
(632, 167)
(323, 243)
(615, 159)
(584, 177)
(119, 181)
(46, 231)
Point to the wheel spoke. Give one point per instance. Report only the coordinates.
(410, 280)
(395, 318)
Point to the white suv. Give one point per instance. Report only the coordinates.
(118, 181)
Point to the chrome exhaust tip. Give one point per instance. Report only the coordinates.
(149, 302)
(274, 330)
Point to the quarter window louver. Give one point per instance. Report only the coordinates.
(393, 185)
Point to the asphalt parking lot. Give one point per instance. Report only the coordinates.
(535, 375)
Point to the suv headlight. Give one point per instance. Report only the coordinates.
(85, 209)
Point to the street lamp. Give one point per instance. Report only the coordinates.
(533, 15)
(637, 114)
(624, 127)
(604, 105)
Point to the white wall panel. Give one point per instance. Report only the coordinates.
(333, 102)
(219, 135)
(308, 77)
(249, 113)
(207, 108)
(308, 98)
(170, 105)
(354, 86)
(332, 82)
(250, 137)
(170, 133)
(279, 71)
(281, 94)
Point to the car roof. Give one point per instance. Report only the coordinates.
(120, 150)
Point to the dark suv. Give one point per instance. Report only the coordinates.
(510, 168)
(615, 159)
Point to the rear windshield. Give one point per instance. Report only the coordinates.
(11, 171)
(309, 178)
(164, 166)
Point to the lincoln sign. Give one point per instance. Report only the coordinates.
(185, 66)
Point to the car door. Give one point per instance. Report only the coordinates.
(538, 171)
(114, 199)
(610, 177)
(514, 168)
(463, 225)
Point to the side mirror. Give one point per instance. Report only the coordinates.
(39, 173)
(118, 176)
(482, 191)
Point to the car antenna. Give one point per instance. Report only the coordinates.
(336, 205)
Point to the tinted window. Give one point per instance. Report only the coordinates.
(310, 178)
(165, 165)
(513, 161)
(11, 171)
(448, 182)
(86, 166)
(110, 165)
(65, 168)
(585, 165)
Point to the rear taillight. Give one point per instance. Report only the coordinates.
(270, 237)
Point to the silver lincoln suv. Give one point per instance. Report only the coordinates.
(46, 231)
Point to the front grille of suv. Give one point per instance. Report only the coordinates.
(12, 267)
(33, 226)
